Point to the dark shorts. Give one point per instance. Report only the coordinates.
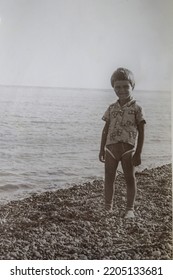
(120, 149)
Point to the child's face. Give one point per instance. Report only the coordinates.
(123, 89)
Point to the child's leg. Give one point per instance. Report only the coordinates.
(111, 165)
(129, 174)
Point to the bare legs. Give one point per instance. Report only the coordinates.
(129, 174)
(111, 165)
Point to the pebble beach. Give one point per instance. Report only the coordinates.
(72, 224)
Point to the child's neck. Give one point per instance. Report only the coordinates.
(124, 101)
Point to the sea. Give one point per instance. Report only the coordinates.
(50, 137)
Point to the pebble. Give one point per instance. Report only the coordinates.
(26, 220)
(169, 246)
(88, 224)
(136, 257)
(83, 257)
(26, 248)
(37, 254)
(13, 254)
(75, 256)
(47, 233)
(165, 257)
(156, 254)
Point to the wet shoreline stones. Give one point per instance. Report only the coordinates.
(72, 223)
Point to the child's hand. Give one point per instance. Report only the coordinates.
(102, 156)
(136, 159)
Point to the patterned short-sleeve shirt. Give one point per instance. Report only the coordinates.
(123, 121)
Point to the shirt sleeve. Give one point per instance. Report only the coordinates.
(106, 116)
(140, 115)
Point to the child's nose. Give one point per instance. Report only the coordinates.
(121, 90)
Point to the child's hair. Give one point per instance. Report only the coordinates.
(123, 74)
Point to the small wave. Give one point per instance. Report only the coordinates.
(13, 187)
(62, 173)
(92, 178)
(6, 174)
(45, 122)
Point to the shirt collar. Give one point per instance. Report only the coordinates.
(128, 104)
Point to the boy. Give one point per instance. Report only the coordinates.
(124, 125)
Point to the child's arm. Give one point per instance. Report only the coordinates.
(103, 142)
(137, 155)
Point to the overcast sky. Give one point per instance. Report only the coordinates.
(79, 43)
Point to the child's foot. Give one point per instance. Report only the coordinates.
(129, 214)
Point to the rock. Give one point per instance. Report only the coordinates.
(136, 257)
(13, 255)
(83, 257)
(156, 254)
(26, 248)
(165, 257)
(37, 254)
(75, 256)
(47, 233)
(169, 246)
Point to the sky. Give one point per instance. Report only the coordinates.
(79, 43)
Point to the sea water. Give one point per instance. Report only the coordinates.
(50, 137)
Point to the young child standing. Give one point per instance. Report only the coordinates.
(123, 128)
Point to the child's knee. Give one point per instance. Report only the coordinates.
(130, 180)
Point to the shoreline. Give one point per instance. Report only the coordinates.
(20, 195)
(72, 223)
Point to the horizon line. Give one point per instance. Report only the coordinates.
(78, 88)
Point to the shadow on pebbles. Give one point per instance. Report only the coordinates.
(72, 223)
